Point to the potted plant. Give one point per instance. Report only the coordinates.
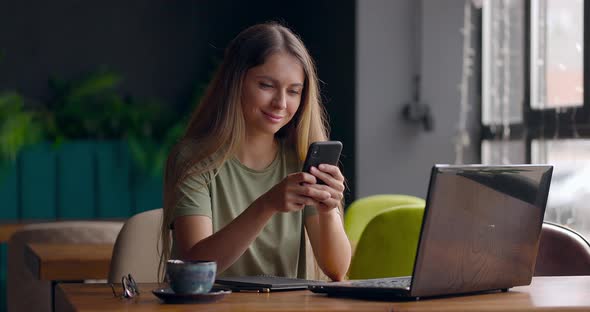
(91, 152)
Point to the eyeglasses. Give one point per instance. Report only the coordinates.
(130, 289)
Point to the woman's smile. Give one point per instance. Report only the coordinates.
(274, 118)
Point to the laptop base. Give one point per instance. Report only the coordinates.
(381, 294)
(364, 293)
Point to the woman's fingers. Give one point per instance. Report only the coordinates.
(330, 175)
(332, 170)
(334, 194)
(333, 178)
(303, 190)
(302, 177)
(330, 203)
(310, 190)
(305, 201)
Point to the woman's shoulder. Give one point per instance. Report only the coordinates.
(189, 157)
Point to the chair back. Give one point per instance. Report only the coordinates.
(136, 249)
(388, 244)
(24, 291)
(562, 251)
(361, 211)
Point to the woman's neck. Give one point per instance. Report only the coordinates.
(258, 152)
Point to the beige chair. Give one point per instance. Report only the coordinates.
(562, 251)
(24, 291)
(136, 249)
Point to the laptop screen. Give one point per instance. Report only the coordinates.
(481, 228)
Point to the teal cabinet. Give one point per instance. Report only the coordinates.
(75, 183)
(76, 180)
(36, 190)
(8, 193)
(147, 190)
(113, 181)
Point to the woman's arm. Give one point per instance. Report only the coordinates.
(330, 244)
(194, 235)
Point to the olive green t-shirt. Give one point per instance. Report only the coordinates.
(279, 248)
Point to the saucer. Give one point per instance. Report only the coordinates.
(169, 296)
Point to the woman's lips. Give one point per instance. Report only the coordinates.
(272, 117)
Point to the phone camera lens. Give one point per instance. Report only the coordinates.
(314, 153)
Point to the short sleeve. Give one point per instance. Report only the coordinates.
(195, 197)
(309, 211)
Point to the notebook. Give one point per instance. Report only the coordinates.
(263, 283)
(480, 232)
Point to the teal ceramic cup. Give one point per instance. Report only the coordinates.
(191, 277)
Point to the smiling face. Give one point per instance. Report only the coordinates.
(271, 94)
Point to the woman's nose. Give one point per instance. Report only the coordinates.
(280, 100)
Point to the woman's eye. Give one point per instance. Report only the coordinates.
(294, 92)
(265, 85)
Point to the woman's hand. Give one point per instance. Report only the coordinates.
(334, 180)
(293, 193)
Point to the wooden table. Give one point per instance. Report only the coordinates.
(69, 262)
(6, 230)
(556, 293)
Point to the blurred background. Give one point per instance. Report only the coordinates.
(93, 94)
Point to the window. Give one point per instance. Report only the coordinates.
(534, 108)
(556, 60)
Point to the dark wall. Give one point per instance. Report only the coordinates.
(165, 49)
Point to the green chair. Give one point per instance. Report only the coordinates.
(362, 210)
(388, 244)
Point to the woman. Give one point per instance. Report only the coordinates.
(233, 192)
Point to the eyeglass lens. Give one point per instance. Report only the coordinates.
(129, 286)
(130, 289)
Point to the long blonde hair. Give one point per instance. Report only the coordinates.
(217, 126)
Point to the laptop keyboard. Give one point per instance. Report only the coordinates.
(393, 282)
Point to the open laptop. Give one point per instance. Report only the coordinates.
(480, 232)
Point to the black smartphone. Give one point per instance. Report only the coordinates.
(322, 152)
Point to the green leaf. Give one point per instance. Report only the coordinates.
(94, 84)
(139, 151)
(10, 103)
(18, 128)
